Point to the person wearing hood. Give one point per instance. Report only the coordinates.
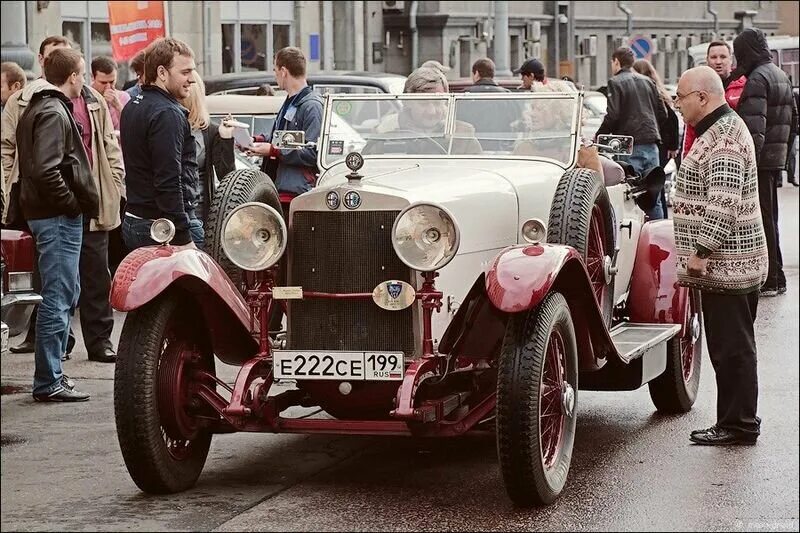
(768, 109)
(719, 56)
(57, 191)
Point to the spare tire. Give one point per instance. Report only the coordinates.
(581, 216)
(236, 188)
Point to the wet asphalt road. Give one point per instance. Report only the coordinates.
(632, 469)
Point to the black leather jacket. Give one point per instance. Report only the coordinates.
(634, 108)
(54, 173)
(766, 104)
(486, 85)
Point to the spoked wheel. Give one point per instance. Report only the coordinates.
(582, 217)
(596, 254)
(536, 398)
(675, 391)
(162, 347)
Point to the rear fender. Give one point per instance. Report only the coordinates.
(148, 272)
(518, 280)
(655, 296)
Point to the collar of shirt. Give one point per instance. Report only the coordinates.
(711, 119)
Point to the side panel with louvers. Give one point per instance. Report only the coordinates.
(346, 252)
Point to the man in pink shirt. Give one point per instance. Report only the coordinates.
(104, 81)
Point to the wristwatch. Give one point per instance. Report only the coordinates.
(701, 252)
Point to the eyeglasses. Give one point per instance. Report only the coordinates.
(679, 97)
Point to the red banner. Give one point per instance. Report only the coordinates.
(134, 25)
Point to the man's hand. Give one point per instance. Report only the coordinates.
(225, 129)
(262, 149)
(112, 99)
(672, 153)
(696, 267)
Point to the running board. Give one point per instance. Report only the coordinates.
(634, 340)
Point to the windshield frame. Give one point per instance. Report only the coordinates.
(331, 99)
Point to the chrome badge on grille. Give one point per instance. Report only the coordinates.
(394, 295)
(352, 200)
(332, 200)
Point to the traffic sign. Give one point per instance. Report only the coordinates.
(642, 46)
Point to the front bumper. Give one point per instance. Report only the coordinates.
(15, 310)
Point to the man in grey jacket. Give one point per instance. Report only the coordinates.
(294, 171)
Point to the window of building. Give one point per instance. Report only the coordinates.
(281, 36)
(790, 63)
(252, 32)
(254, 47)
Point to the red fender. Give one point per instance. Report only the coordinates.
(147, 272)
(655, 296)
(520, 278)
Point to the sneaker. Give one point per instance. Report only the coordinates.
(768, 292)
(62, 394)
(67, 382)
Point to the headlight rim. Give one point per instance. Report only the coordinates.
(446, 212)
(284, 230)
(171, 233)
(538, 221)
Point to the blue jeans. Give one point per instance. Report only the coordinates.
(136, 232)
(58, 242)
(643, 160)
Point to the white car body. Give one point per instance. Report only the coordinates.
(489, 196)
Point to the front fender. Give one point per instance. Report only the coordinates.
(147, 272)
(655, 296)
(520, 278)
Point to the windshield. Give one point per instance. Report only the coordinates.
(510, 125)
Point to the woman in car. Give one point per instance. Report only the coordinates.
(425, 117)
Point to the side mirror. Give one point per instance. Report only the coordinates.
(615, 144)
(291, 139)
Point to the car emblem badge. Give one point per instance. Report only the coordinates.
(394, 289)
(332, 200)
(394, 295)
(352, 200)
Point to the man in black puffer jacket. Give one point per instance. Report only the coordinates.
(768, 109)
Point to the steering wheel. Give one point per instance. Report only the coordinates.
(416, 136)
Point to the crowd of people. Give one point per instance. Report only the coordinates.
(113, 161)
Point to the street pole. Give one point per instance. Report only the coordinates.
(501, 52)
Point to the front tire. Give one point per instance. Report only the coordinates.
(537, 386)
(161, 346)
(675, 391)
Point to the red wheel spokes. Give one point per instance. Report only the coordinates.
(687, 341)
(596, 253)
(551, 412)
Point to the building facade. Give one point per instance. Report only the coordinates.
(573, 38)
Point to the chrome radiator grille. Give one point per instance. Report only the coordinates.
(345, 252)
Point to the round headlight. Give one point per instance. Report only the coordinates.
(533, 231)
(425, 237)
(162, 230)
(254, 236)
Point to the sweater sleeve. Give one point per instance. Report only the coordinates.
(724, 171)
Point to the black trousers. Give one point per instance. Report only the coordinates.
(731, 344)
(768, 198)
(97, 319)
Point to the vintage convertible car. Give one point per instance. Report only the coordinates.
(460, 272)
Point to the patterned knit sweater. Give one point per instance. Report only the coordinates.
(717, 210)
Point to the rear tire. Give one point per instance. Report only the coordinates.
(675, 391)
(235, 189)
(581, 216)
(161, 346)
(537, 386)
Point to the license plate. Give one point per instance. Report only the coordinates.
(361, 366)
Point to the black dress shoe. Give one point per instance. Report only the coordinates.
(26, 346)
(717, 436)
(107, 355)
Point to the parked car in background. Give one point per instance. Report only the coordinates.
(17, 297)
(336, 82)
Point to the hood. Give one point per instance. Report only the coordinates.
(751, 50)
(36, 86)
